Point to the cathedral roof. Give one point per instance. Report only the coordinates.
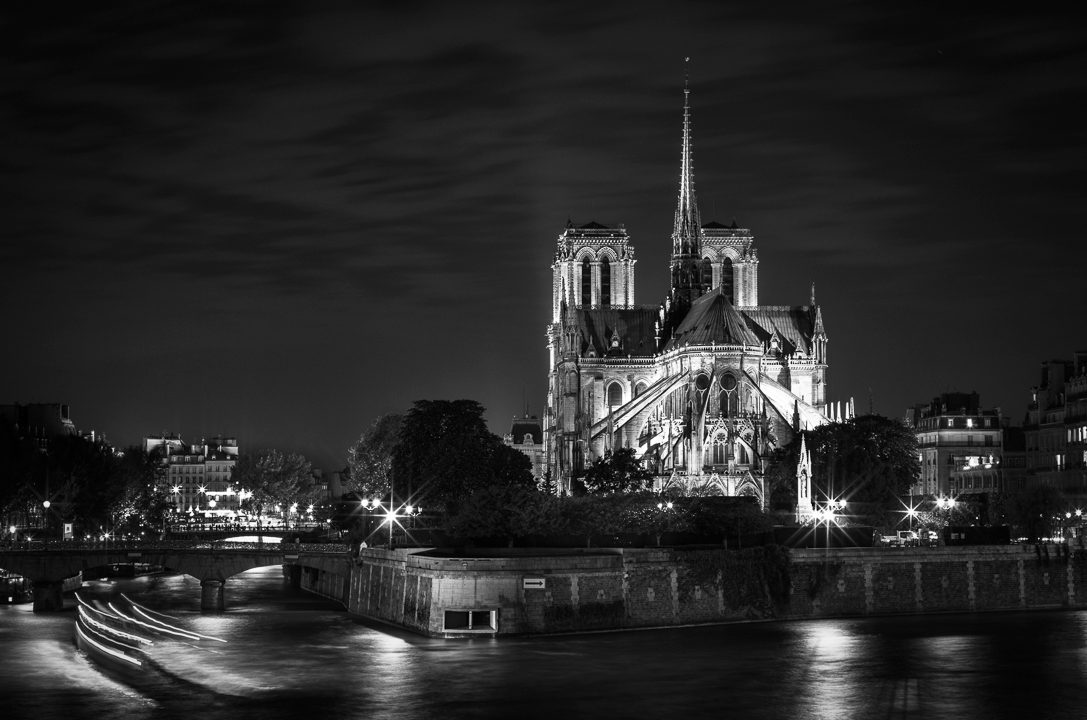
(613, 332)
(793, 325)
(713, 319)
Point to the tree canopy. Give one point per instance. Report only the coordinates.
(868, 461)
(85, 481)
(370, 458)
(445, 452)
(275, 478)
(618, 471)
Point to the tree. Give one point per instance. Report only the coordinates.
(370, 458)
(275, 478)
(617, 472)
(141, 506)
(506, 511)
(445, 452)
(1034, 511)
(81, 483)
(868, 461)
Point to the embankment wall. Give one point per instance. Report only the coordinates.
(627, 588)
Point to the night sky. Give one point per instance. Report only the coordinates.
(278, 221)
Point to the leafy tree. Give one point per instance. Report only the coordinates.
(275, 478)
(445, 452)
(868, 461)
(81, 483)
(656, 515)
(617, 472)
(370, 458)
(1032, 511)
(599, 515)
(142, 504)
(506, 511)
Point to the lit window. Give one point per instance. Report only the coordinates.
(969, 422)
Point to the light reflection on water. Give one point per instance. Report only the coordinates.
(292, 654)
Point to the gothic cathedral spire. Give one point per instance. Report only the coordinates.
(687, 230)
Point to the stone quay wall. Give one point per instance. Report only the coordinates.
(602, 589)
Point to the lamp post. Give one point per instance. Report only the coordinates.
(664, 508)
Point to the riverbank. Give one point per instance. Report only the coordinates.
(528, 593)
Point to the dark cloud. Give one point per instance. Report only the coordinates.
(341, 208)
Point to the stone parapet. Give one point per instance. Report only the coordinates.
(534, 593)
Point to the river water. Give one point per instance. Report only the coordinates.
(293, 655)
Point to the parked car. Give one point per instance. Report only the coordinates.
(902, 538)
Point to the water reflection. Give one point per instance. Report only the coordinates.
(291, 654)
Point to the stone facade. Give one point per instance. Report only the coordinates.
(1056, 427)
(960, 444)
(624, 588)
(703, 385)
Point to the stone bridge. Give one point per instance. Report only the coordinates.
(49, 567)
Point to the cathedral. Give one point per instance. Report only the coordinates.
(703, 386)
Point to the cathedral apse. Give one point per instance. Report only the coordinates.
(704, 385)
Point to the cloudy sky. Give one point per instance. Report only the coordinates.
(278, 221)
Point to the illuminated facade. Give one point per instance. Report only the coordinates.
(960, 446)
(197, 478)
(526, 435)
(703, 385)
(1056, 426)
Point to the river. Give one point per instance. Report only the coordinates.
(293, 655)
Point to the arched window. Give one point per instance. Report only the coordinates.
(727, 286)
(639, 389)
(605, 283)
(586, 283)
(615, 395)
(707, 275)
(729, 395)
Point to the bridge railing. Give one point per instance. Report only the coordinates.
(236, 527)
(136, 546)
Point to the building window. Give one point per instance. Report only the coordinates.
(586, 283)
(615, 395)
(727, 282)
(605, 283)
(951, 422)
(969, 422)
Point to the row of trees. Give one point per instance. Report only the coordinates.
(79, 481)
(440, 455)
